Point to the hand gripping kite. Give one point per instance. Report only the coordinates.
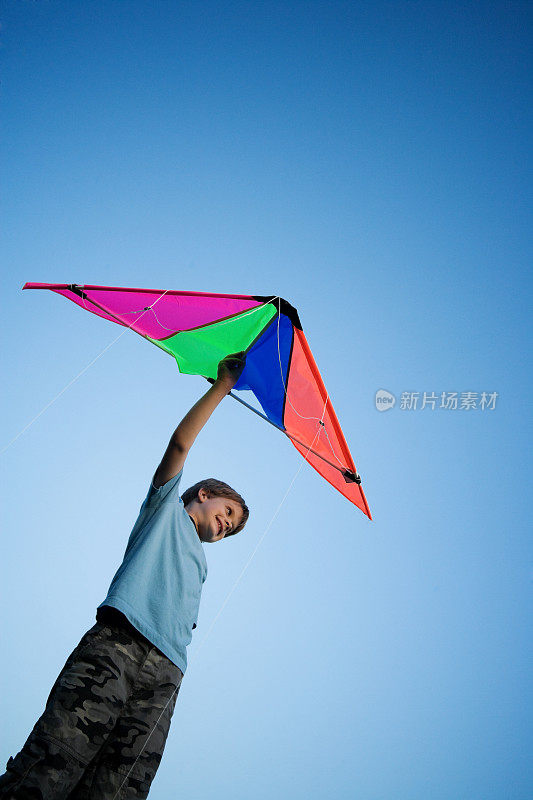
(200, 329)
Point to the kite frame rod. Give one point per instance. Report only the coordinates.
(30, 285)
(344, 471)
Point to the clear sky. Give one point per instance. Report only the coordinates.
(369, 162)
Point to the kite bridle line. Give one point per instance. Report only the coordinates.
(77, 289)
(281, 372)
(226, 600)
(348, 474)
(217, 322)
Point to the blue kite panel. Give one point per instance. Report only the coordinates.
(263, 374)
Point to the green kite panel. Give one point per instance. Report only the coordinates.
(199, 351)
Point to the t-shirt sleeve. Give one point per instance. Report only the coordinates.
(167, 493)
(154, 500)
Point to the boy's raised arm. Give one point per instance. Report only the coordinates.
(192, 423)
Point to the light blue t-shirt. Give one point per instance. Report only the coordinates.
(159, 583)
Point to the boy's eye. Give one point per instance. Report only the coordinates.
(228, 509)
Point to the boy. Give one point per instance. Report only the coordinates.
(105, 724)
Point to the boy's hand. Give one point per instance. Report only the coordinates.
(230, 369)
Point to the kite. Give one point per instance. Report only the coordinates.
(200, 329)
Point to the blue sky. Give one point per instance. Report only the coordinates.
(370, 163)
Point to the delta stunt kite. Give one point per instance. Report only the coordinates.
(201, 329)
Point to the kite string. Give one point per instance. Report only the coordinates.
(226, 600)
(69, 384)
(58, 395)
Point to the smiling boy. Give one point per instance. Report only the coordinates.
(106, 720)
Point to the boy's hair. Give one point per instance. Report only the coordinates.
(216, 488)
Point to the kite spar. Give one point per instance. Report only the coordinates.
(200, 329)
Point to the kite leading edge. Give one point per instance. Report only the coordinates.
(200, 329)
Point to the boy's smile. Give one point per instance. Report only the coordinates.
(214, 517)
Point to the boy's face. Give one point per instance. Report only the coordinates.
(214, 517)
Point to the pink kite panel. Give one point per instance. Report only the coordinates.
(153, 313)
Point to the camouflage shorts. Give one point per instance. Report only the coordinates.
(105, 723)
